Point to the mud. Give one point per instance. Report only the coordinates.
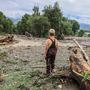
(31, 54)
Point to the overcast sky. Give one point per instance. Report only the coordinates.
(74, 9)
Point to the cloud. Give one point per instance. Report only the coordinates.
(73, 9)
(17, 8)
(77, 8)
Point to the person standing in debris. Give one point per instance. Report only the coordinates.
(51, 47)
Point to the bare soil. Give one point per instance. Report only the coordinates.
(21, 59)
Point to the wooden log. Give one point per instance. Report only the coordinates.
(83, 52)
(29, 35)
(77, 66)
(7, 39)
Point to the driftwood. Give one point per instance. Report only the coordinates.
(7, 39)
(78, 65)
(1, 77)
(29, 35)
(84, 84)
(83, 52)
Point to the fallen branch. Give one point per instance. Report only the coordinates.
(7, 39)
(83, 52)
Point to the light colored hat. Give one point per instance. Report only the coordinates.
(52, 31)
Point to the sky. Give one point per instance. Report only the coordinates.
(73, 9)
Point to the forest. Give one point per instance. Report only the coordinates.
(39, 22)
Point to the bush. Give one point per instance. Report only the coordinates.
(81, 33)
(88, 35)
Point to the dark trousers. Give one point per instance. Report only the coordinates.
(50, 64)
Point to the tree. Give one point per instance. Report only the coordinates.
(36, 25)
(54, 15)
(81, 33)
(64, 19)
(2, 17)
(75, 26)
(88, 35)
(1, 27)
(6, 25)
(23, 25)
(40, 26)
(67, 28)
(36, 10)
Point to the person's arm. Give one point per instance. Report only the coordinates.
(46, 47)
(57, 43)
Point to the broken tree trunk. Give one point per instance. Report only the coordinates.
(83, 52)
(7, 39)
(78, 65)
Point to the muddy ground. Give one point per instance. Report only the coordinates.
(23, 64)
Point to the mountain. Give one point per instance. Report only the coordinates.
(77, 18)
(84, 26)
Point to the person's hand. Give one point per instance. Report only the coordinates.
(44, 55)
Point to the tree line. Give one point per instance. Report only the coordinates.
(6, 25)
(38, 23)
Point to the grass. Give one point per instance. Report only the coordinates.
(85, 75)
(20, 76)
(2, 55)
(24, 80)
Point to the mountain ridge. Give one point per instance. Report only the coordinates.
(85, 26)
